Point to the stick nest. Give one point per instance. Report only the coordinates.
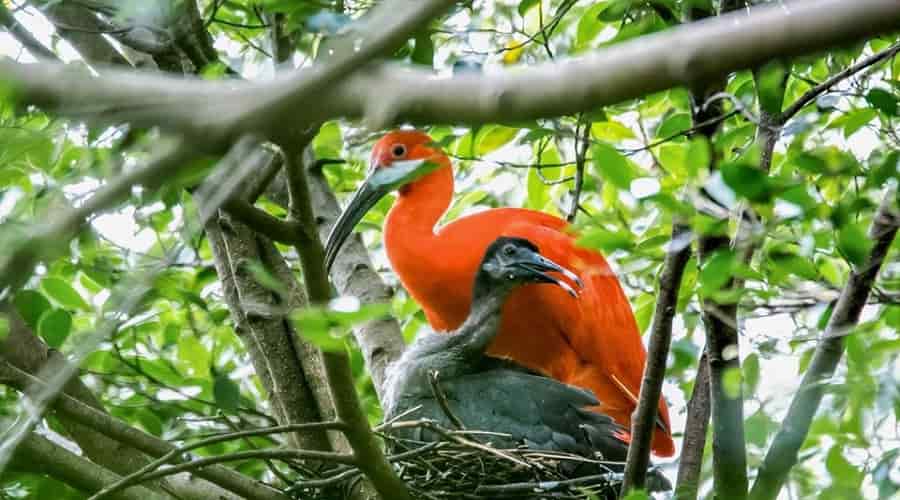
(462, 464)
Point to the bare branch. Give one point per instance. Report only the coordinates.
(645, 415)
(782, 454)
(24, 37)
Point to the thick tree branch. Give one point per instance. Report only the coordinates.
(782, 454)
(136, 438)
(645, 415)
(57, 462)
(211, 113)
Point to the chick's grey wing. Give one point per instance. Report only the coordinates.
(537, 411)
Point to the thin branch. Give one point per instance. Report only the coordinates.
(782, 454)
(811, 94)
(582, 143)
(140, 476)
(694, 442)
(645, 415)
(283, 231)
(200, 463)
(24, 37)
(441, 398)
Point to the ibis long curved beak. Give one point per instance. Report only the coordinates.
(538, 266)
(379, 183)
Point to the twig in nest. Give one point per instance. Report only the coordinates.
(442, 399)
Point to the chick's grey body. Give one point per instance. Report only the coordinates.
(489, 394)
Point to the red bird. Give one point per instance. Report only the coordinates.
(591, 342)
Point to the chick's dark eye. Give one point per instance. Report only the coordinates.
(509, 250)
(398, 150)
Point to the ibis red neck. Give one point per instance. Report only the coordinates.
(419, 207)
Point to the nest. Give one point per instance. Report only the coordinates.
(461, 464)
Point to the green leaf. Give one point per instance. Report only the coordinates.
(611, 130)
(537, 190)
(747, 180)
(842, 472)
(493, 137)
(63, 294)
(717, 271)
(424, 50)
(327, 328)
(853, 120)
(731, 382)
(883, 100)
(673, 124)
(590, 25)
(612, 166)
(193, 354)
(605, 240)
(31, 305)
(227, 393)
(328, 143)
(854, 243)
(699, 156)
(524, 5)
(54, 327)
(4, 328)
(750, 367)
(770, 84)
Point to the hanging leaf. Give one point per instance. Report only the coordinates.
(54, 327)
(63, 294)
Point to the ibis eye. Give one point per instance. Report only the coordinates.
(509, 250)
(398, 150)
(511, 277)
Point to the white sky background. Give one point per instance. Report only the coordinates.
(780, 373)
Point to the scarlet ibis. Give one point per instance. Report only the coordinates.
(591, 342)
(490, 394)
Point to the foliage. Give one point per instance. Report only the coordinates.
(177, 368)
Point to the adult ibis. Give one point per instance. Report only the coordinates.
(591, 342)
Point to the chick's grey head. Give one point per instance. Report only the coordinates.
(509, 262)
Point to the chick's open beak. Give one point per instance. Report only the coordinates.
(539, 266)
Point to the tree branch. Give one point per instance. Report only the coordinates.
(782, 454)
(811, 94)
(380, 341)
(24, 37)
(211, 113)
(694, 442)
(147, 443)
(645, 415)
(60, 463)
(365, 446)
(282, 231)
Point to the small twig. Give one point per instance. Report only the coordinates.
(442, 399)
(581, 146)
